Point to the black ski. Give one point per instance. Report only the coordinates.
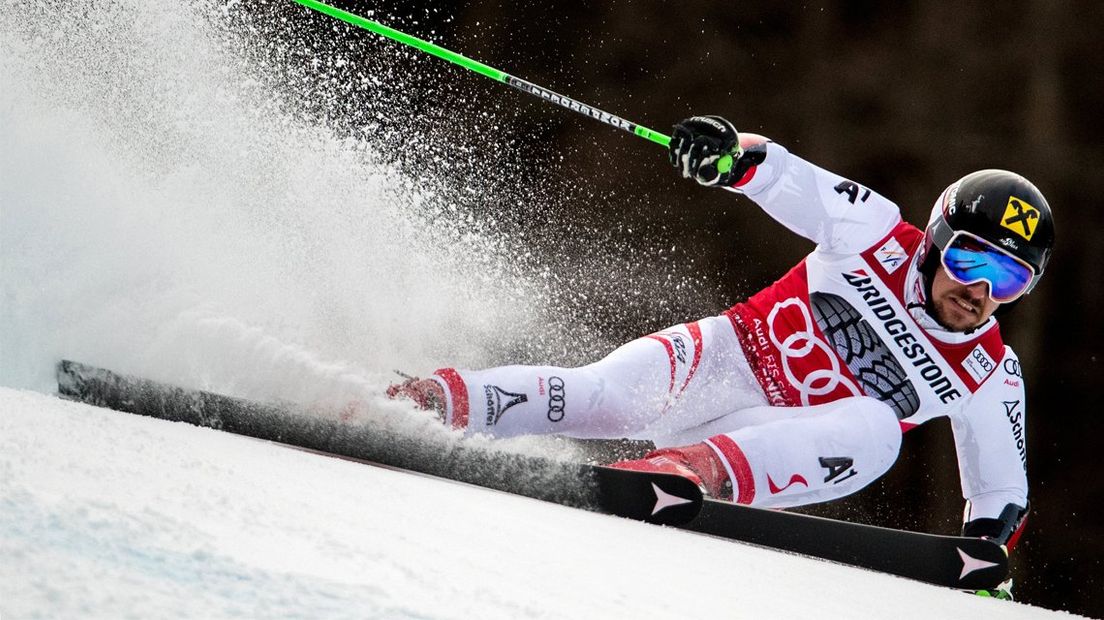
(952, 561)
(656, 498)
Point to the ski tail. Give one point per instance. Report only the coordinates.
(657, 498)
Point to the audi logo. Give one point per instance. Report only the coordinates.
(555, 399)
(800, 344)
(981, 358)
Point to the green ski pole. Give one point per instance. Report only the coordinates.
(490, 72)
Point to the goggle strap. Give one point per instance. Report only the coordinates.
(941, 233)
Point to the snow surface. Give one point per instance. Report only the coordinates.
(110, 515)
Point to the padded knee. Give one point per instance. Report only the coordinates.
(884, 432)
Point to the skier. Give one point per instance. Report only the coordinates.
(800, 394)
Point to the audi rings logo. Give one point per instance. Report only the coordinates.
(802, 343)
(555, 399)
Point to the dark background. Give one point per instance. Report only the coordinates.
(903, 97)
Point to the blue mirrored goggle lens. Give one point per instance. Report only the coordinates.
(970, 260)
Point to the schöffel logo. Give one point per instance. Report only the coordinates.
(499, 402)
(891, 255)
(1013, 412)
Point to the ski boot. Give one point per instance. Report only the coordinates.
(697, 462)
(427, 394)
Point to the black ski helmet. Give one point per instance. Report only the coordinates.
(999, 206)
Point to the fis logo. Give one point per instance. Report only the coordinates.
(891, 255)
(1020, 218)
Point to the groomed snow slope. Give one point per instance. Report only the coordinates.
(105, 514)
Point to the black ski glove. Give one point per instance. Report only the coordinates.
(706, 148)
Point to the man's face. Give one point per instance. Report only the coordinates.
(960, 307)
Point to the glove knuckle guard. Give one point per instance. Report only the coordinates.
(697, 145)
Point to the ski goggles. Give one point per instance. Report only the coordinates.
(968, 259)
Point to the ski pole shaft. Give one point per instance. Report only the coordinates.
(491, 72)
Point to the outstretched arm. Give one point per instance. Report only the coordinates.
(837, 214)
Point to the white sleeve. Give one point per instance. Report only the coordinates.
(838, 215)
(990, 438)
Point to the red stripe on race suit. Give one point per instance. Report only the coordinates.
(748, 140)
(459, 392)
(695, 335)
(1015, 537)
(745, 481)
(748, 176)
(670, 356)
(765, 367)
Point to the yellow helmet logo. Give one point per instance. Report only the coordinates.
(1020, 217)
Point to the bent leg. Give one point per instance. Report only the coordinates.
(826, 452)
(670, 380)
